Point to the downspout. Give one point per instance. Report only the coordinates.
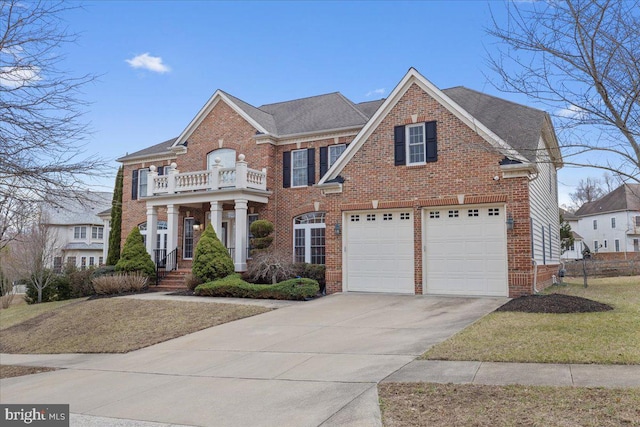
(535, 276)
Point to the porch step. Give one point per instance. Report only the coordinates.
(174, 281)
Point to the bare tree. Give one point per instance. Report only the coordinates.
(14, 216)
(31, 257)
(41, 131)
(587, 191)
(581, 58)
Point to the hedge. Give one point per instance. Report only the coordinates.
(233, 286)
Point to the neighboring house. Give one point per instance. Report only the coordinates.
(610, 225)
(576, 249)
(79, 232)
(427, 191)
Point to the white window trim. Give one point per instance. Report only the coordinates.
(408, 143)
(221, 152)
(184, 239)
(80, 228)
(333, 148)
(306, 168)
(143, 181)
(307, 238)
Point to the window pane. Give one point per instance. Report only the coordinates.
(188, 238)
(142, 182)
(299, 245)
(317, 245)
(334, 152)
(416, 144)
(299, 168)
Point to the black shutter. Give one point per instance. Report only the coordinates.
(311, 166)
(399, 149)
(432, 142)
(286, 169)
(324, 160)
(134, 185)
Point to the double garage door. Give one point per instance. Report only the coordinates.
(464, 251)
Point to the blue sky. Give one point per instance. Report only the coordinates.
(159, 61)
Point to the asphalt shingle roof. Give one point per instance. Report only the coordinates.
(316, 113)
(518, 125)
(160, 148)
(624, 198)
(83, 210)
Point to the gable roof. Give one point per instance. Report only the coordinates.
(624, 198)
(512, 128)
(316, 113)
(469, 98)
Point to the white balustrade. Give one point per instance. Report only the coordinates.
(212, 179)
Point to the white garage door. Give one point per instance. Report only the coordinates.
(379, 251)
(465, 251)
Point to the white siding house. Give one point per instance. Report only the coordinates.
(79, 233)
(545, 214)
(611, 224)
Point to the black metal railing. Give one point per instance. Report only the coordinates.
(232, 253)
(165, 262)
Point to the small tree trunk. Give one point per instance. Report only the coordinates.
(39, 294)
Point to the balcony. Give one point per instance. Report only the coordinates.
(216, 178)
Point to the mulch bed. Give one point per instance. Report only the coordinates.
(554, 303)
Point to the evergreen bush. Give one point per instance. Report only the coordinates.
(211, 260)
(135, 256)
(261, 230)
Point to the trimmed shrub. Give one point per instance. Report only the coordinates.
(311, 271)
(63, 289)
(106, 270)
(120, 283)
(135, 256)
(261, 240)
(233, 286)
(211, 260)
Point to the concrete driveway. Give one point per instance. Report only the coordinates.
(309, 364)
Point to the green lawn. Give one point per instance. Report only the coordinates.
(611, 337)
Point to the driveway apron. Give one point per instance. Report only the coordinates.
(309, 364)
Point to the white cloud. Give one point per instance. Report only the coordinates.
(148, 62)
(15, 77)
(376, 92)
(571, 112)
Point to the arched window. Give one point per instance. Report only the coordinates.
(309, 238)
(227, 158)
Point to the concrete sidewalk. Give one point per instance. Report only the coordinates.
(498, 373)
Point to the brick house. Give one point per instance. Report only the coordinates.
(427, 191)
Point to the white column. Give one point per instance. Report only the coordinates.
(172, 229)
(171, 178)
(105, 239)
(151, 180)
(152, 229)
(241, 172)
(216, 218)
(241, 235)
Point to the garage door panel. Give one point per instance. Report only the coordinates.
(379, 255)
(465, 255)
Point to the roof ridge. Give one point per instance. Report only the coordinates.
(351, 104)
(297, 99)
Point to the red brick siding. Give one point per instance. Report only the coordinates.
(466, 165)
